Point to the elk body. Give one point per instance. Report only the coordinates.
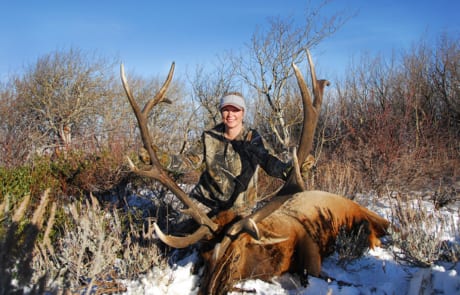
(294, 238)
(293, 232)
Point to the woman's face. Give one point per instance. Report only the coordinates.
(232, 116)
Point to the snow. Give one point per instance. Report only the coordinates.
(376, 272)
(171, 280)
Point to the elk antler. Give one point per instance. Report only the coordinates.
(311, 110)
(157, 172)
(294, 183)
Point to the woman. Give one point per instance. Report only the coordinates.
(232, 155)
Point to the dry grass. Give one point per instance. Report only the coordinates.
(19, 235)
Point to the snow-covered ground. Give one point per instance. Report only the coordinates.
(377, 272)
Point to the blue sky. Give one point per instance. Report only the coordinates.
(148, 35)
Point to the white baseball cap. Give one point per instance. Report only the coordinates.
(232, 99)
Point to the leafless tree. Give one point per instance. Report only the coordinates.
(265, 65)
(208, 87)
(63, 96)
(13, 146)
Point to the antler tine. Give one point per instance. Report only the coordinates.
(183, 242)
(134, 105)
(160, 95)
(249, 224)
(141, 117)
(311, 109)
(317, 100)
(157, 172)
(318, 85)
(307, 136)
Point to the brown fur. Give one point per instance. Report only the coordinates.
(309, 222)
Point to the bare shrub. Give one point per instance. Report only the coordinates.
(352, 244)
(87, 246)
(421, 236)
(336, 177)
(60, 102)
(331, 175)
(97, 248)
(73, 175)
(80, 173)
(444, 195)
(427, 167)
(396, 120)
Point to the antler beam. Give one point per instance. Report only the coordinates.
(157, 172)
(311, 110)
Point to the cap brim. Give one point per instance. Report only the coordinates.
(233, 105)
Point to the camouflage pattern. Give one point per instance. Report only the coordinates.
(230, 177)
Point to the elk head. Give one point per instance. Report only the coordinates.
(290, 233)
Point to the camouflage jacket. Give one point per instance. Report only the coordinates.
(230, 177)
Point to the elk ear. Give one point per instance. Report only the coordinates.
(251, 228)
(271, 240)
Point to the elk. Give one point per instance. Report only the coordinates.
(292, 232)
